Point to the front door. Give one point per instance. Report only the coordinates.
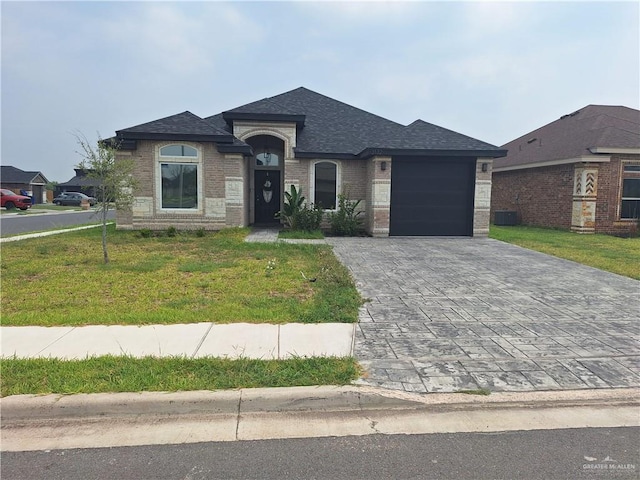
(267, 195)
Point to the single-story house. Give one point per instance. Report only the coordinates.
(30, 184)
(232, 169)
(580, 172)
(80, 182)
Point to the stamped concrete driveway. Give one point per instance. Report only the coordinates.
(451, 314)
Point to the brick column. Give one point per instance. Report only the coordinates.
(585, 192)
(482, 198)
(378, 196)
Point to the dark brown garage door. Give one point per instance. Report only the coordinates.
(432, 196)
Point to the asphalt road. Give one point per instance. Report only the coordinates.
(15, 224)
(587, 453)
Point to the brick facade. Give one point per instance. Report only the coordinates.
(584, 197)
(226, 190)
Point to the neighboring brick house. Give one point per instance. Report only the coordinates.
(31, 184)
(232, 169)
(581, 172)
(80, 182)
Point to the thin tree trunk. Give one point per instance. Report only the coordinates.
(104, 232)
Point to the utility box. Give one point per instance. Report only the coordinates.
(505, 218)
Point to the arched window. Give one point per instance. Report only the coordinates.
(178, 151)
(325, 184)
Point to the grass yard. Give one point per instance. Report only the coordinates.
(301, 234)
(613, 254)
(125, 374)
(211, 277)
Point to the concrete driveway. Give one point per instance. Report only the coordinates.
(451, 314)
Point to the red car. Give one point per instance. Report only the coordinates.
(10, 200)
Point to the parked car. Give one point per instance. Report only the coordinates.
(12, 200)
(73, 198)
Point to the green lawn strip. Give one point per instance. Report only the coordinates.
(127, 374)
(301, 234)
(606, 252)
(172, 279)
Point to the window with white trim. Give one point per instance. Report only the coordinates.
(179, 182)
(325, 184)
(630, 198)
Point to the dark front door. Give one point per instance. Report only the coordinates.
(432, 196)
(267, 195)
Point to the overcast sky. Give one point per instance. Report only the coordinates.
(490, 70)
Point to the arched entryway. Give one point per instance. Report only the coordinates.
(267, 167)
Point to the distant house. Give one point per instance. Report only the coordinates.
(232, 169)
(31, 184)
(580, 172)
(81, 182)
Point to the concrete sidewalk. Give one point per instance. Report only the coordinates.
(236, 340)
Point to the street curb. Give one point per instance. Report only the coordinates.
(49, 233)
(22, 409)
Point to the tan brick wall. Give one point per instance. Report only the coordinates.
(217, 173)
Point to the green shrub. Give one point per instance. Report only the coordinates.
(296, 215)
(346, 221)
(308, 219)
(172, 231)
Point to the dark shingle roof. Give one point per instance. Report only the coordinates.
(325, 128)
(10, 174)
(573, 135)
(181, 126)
(81, 179)
(334, 127)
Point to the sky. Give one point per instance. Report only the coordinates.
(490, 70)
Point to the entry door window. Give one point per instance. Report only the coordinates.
(267, 159)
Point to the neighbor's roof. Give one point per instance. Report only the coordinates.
(81, 181)
(575, 135)
(325, 128)
(9, 174)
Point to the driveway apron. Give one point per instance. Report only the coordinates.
(455, 314)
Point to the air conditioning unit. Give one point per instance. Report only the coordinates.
(506, 218)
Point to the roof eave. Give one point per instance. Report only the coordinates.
(552, 163)
(124, 135)
(615, 150)
(400, 152)
(242, 149)
(327, 155)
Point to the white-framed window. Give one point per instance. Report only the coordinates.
(179, 178)
(630, 198)
(325, 184)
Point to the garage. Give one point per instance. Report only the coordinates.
(432, 196)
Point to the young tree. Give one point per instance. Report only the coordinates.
(115, 179)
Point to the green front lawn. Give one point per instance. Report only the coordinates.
(301, 234)
(126, 374)
(613, 254)
(196, 277)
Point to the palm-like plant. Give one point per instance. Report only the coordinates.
(293, 204)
